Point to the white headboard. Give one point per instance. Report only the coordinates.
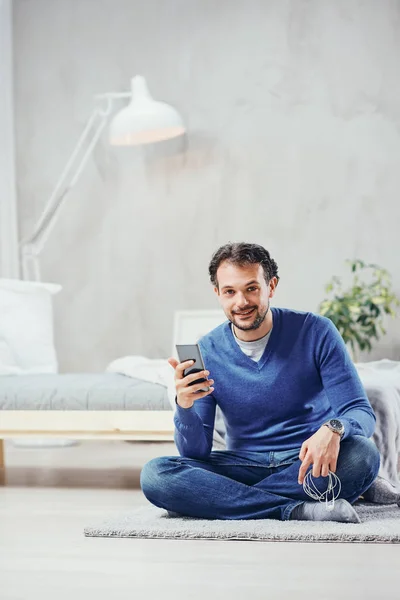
(191, 325)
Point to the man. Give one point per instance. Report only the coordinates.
(291, 400)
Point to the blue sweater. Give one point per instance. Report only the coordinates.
(304, 377)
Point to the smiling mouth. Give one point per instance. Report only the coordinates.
(245, 314)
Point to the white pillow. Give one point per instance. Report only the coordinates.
(26, 327)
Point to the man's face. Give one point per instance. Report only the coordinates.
(244, 294)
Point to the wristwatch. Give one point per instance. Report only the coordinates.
(336, 426)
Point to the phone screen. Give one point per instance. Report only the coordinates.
(192, 352)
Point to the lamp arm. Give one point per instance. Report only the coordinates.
(32, 245)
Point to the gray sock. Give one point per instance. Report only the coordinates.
(316, 511)
(382, 492)
(173, 514)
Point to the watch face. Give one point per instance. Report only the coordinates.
(335, 423)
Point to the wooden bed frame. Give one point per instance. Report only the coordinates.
(140, 425)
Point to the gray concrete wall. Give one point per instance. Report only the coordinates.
(293, 111)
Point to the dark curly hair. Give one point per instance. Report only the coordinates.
(241, 254)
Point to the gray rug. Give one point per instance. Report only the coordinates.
(380, 524)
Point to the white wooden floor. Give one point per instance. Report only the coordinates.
(48, 497)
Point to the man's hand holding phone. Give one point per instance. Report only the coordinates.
(186, 392)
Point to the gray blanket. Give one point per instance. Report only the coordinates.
(381, 380)
(80, 391)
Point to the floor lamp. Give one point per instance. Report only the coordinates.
(143, 121)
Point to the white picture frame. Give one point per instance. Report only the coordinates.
(191, 325)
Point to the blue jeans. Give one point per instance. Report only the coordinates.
(251, 485)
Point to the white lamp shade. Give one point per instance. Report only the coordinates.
(144, 121)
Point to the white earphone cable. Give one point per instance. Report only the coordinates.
(321, 497)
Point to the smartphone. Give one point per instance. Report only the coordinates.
(192, 352)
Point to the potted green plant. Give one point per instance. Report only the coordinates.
(358, 311)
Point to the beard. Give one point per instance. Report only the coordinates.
(258, 319)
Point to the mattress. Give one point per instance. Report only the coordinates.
(80, 391)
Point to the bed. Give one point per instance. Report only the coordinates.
(83, 406)
(132, 400)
